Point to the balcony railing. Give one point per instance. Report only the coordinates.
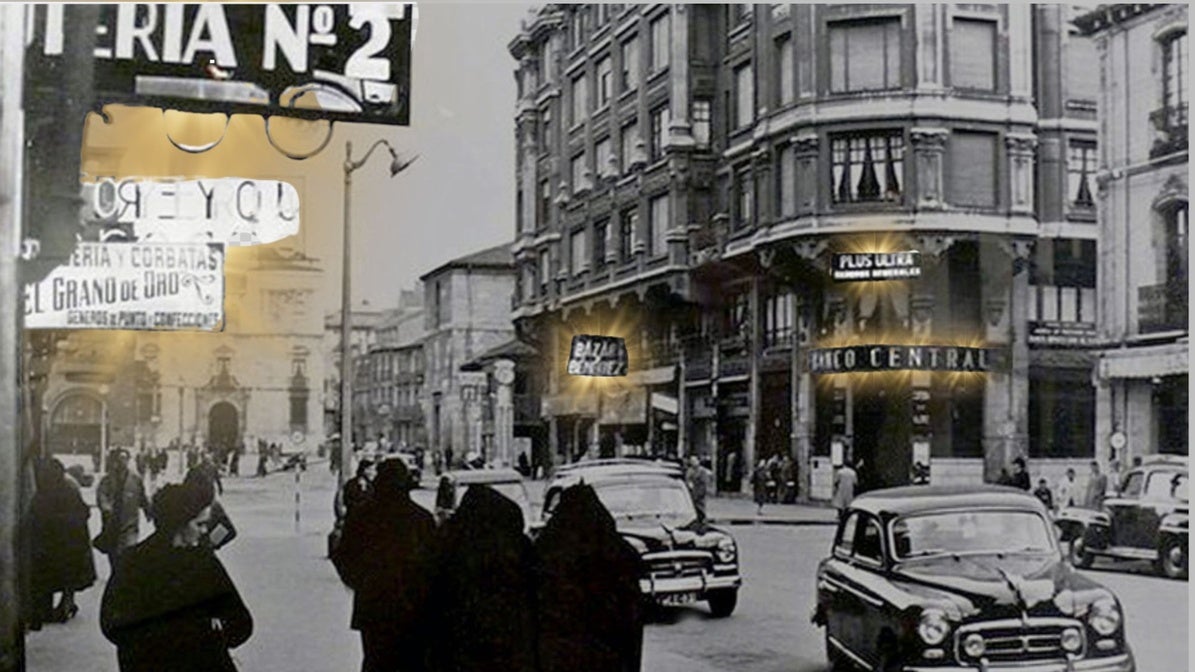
(1161, 308)
(699, 360)
(1170, 127)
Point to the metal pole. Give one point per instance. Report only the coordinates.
(346, 312)
(181, 457)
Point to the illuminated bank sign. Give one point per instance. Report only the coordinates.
(865, 358)
(597, 356)
(857, 266)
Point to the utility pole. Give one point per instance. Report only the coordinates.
(12, 52)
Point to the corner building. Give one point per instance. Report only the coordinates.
(686, 174)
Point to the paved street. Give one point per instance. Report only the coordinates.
(302, 610)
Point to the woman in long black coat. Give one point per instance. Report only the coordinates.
(61, 544)
(588, 600)
(170, 605)
(482, 598)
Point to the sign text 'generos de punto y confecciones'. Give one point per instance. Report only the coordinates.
(131, 286)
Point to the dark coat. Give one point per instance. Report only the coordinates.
(61, 543)
(483, 595)
(159, 606)
(588, 602)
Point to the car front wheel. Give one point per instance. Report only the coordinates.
(1079, 555)
(723, 602)
(1172, 561)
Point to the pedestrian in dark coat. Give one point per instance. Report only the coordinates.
(220, 530)
(61, 544)
(170, 605)
(385, 556)
(759, 485)
(588, 601)
(121, 498)
(483, 595)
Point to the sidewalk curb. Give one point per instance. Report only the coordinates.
(792, 522)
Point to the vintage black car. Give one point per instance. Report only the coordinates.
(1146, 520)
(685, 559)
(961, 578)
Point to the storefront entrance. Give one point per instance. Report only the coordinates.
(223, 426)
(881, 432)
(76, 426)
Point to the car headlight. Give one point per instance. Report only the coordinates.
(726, 551)
(933, 627)
(1072, 641)
(974, 645)
(1104, 616)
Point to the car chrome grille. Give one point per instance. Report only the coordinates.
(1019, 641)
(677, 565)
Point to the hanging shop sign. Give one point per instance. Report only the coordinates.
(857, 266)
(232, 210)
(863, 358)
(597, 356)
(132, 286)
(354, 59)
(1062, 333)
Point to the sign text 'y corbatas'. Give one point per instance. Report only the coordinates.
(876, 266)
(132, 286)
(870, 358)
(247, 58)
(232, 210)
(597, 356)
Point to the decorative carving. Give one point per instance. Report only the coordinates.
(933, 246)
(285, 304)
(767, 257)
(805, 144)
(994, 308)
(929, 139)
(810, 249)
(1020, 143)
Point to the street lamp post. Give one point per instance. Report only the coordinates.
(397, 165)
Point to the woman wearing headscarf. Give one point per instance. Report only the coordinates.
(170, 604)
(385, 556)
(61, 544)
(482, 600)
(588, 601)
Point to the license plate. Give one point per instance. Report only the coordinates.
(678, 599)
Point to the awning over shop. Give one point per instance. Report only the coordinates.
(569, 404)
(1169, 359)
(664, 402)
(624, 407)
(657, 376)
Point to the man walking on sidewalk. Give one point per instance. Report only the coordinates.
(699, 479)
(845, 480)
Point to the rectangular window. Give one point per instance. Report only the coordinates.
(786, 83)
(630, 64)
(600, 231)
(1174, 82)
(627, 224)
(661, 39)
(865, 55)
(744, 96)
(734, 315)
(545, 140)
(605, 81)
(629, 137)
(545, 204)
(701, 122)
(579, 94)
(577, 258)
(973, 54)
(577, 171)
(1080, 168)
(1061, 415)
(602, 158)
(973, 169)
(744, 198)
(778, 318)
(576, 31)
(658, 226)
(545, 272)
(660, 118)
(787, 176)
(545, 61)
(867, 167)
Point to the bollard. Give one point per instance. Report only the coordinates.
(297, 498)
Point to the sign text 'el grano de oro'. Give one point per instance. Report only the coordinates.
(246, 58)
(597, 356)
(132, 286)
(871, 358)
(233, 211)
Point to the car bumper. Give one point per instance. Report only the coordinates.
(1121, 663)
(688, 584)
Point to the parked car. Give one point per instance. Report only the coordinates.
(1146, 520)
(684, 559)
(961, 578)
(507, 482)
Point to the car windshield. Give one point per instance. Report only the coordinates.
(654, 499)
(974, 531)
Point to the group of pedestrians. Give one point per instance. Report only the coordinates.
(774, 481)
(475, 594)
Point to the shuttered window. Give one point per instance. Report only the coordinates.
(973, 169)
(788, 182)
(973, 54)
(658, 226)
(865, 55)
(784, 70)
(744, 91)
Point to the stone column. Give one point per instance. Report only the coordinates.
(504, 426)
(929, 22)
(753, 386)
(929, 144)
(1021, 152)
(1006, 399)
(805, 148)
(803, 403)
(761, 180)
(680, 132)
